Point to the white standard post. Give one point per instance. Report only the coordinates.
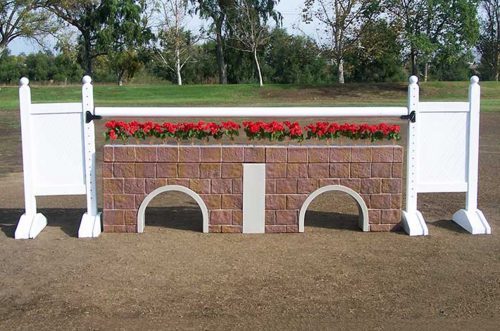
(30, 224)
(413, 221)
(471, 218)
(90, 225)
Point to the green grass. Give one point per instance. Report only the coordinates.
(251, 95)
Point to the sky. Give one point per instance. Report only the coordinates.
(290, 9)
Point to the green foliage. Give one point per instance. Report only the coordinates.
(23, 18)
(292, 59)
(377, 59)
(489, 41)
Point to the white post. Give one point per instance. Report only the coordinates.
(30, 224)
(473, 143)
(471, 218)
(413, 221)
(91, 221)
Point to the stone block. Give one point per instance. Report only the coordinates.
(134, 186)
(189, 154)
(318, 154)
(222, 186)
(221, 217)
(211, 154)
(210, 170)
(188, 170)
(168, 154)
(297, 155)
(145, 170)
(275, 201)
(339, 170)
(340, 154)
(319, 170)
(286, 186)
(276, 170)
(146, 154)
(296, 170)
(255, 155)
(232, 170)
(276, 154)
(166, 170)
(233, 154)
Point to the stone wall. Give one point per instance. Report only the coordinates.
(215, 173)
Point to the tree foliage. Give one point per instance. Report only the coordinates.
(23, 18)
(429, 27)
(489, 42)
(105, 26)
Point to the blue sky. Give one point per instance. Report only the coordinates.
(290, 9)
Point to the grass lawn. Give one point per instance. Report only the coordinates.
(251, 95)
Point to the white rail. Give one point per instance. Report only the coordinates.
(266, 112)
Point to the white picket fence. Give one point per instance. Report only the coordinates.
(59, 150)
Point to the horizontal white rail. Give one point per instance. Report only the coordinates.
(251, 111)
(443, 107)
(56, 108)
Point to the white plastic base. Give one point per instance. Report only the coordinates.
(90, 226)
(414, 224)
(473, 221)
(30, 226)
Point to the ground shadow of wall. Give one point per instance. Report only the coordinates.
(178, 218)
(67, 219)
(331, 220)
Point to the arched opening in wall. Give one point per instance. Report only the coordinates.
(173, 207)
(334, 207)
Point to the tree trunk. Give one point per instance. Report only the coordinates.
(221, 63)
(261, 82)
(426, 71)
(120, 79)
(178, 66)
(87, 54)
(413, 60)
(340, 70)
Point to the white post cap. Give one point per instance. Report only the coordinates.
(413, 80)
(474, 80)
(86, 79)
(24, 81)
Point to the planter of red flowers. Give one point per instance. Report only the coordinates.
(273, 131)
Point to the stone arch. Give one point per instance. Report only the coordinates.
(169, 188)
(362, 208)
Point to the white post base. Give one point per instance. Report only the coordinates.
(414, 224)
(473, 221)
(29, 227)
(90, 226)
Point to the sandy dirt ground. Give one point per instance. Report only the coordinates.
(173, 277)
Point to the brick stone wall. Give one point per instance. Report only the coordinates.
(216, 174)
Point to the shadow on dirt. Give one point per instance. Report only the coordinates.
(68, 220)
(329, 220)
(448, 225)
(179, 218)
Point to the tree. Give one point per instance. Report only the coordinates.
(377, 57)
(216, 10)
(342, 22)
(247, 22)
(175, 40)
(104, 25)
(23, 18)
(489, 42)
(293, 59)
(429, 26)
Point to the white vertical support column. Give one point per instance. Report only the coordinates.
(254, 198)
(90, 225)
(30, 224)
(413, 221)
(471, 218)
